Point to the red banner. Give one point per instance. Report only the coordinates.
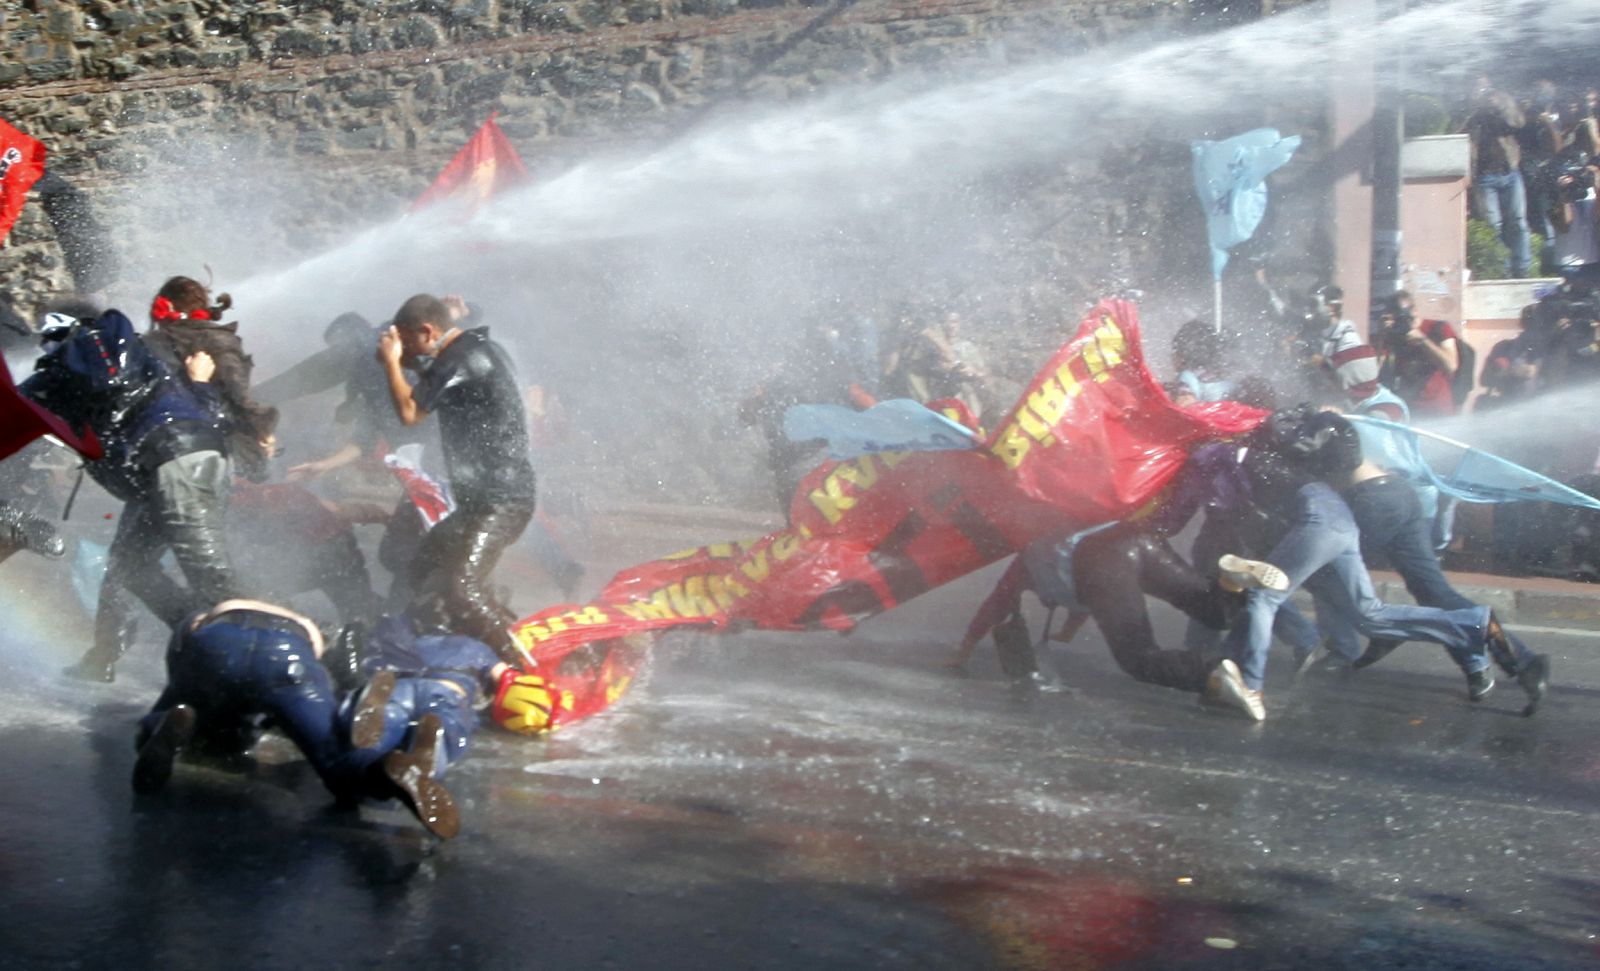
(21, 165)
(1093, 439)
(486, 165)
(22, 421)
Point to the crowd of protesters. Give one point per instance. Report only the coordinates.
(182, 436)
(1534, 160)
(189, 436)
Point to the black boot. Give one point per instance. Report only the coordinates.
(1535, 680)
(115, 627)
(95, 665)
(171, 734)
(344, 654)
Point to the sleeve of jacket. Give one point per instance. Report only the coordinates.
(233, 382)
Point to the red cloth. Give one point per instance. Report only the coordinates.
(1437, 399)
(21, 165)
(22, 421)
(1002, 600)
(486, 165)
(289, 512)
(1093, 439)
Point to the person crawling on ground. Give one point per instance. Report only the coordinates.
(245, 664)
(1106, 574)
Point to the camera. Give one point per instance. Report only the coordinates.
(1394, 323)
(1575, 167)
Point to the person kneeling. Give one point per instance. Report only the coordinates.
(244, 662)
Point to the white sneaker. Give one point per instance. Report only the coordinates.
(1226, 686)
(1239, 573)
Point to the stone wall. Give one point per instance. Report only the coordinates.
(386, 91)
(341, 111)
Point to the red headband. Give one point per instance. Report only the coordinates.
(162, 309)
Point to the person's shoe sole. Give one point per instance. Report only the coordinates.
(1535, 680)
(1226, 685)
(412, 774)
(154, 765)
(366, 726)
(1247, 574)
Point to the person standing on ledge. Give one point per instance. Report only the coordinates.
(470, 381)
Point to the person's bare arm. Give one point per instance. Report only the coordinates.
(322, 466)
(405, 406)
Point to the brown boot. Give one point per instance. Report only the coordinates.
(366, 725)
(411, 772)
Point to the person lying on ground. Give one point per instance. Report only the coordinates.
(245, 663)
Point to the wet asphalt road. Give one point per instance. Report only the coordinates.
(773, 801)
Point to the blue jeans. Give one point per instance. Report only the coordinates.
(234, 672)
(1502, 203)
(1322, 552)
(1394, 531)
(412, 699)
(444, 675)
(1218, 536)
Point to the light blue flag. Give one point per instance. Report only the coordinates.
(1459, 470)
(1230, 178)
(896, 425)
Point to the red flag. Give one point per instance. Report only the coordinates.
(486, 165)
(21, 164)
(1093, 439)
(22, 421)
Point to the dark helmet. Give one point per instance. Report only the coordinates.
(1198, 343)
(1323, 443)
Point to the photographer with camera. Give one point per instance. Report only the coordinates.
(1498, 195)
(1575, 240)
(1418, 359)
(1323, 332)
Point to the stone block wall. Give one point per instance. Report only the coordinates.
(341, 111)
(367, 98)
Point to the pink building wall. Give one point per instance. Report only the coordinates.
(1353, 102)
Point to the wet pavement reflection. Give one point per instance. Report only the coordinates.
(788, 801)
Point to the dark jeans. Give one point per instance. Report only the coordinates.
(1113, 571)
(184, 512)
(245, 665)
(451, 574)
(397, 552)
(1395, 533)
